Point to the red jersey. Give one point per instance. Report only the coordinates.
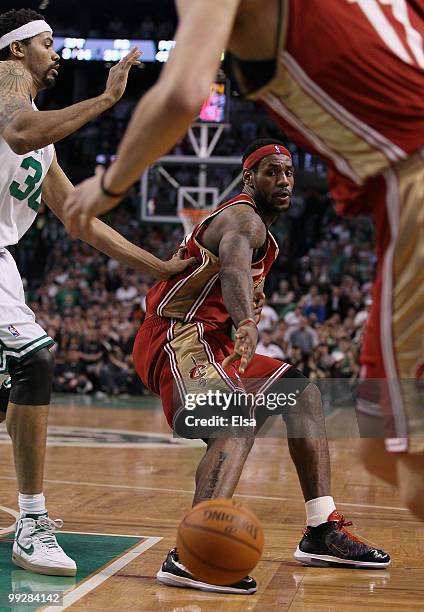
(195, 294)
(348, 85)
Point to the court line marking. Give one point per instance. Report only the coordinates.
(89, 585)
(191, 492)
(11, 527)
(109, 535)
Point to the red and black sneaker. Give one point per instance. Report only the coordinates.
(330, 544)
(174, 573)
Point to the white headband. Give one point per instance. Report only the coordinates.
(26, 31)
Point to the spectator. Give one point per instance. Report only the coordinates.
(126, 292)
(269, 318)
(316, 306)
(362, 315)
(304, 336)
(267, 347)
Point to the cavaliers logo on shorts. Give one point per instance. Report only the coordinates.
(199, 370)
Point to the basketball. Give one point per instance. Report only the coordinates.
(220, 541)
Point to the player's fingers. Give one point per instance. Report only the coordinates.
(241, 333)
(230, 359)
(243, 364)
(246, 359)
(132, 56)
(180, 253)
(188, 262)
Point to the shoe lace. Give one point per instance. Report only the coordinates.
(45, 529)
(341, 527)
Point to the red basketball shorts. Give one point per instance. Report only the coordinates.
(169, 354)
(393, 351)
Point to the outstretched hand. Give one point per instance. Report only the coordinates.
(178, 264)
(118, 75)
(244, 347)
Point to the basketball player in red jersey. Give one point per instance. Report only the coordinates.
(184, 347)
(344, 79)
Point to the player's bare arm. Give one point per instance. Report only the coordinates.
(25, 129)
(57, 187)
(237, 232)
(166, 112)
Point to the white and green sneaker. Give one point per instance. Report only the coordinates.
(36, 549)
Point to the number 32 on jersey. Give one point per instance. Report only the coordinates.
(30, 189)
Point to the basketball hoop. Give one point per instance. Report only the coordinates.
(190, 217)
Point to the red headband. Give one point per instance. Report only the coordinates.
(257, 155)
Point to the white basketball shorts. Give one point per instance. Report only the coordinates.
(20, 335)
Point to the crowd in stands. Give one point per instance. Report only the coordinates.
(319, 288)
(318, 296)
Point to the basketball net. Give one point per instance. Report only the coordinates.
(190, 217)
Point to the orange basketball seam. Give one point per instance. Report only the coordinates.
(208, 563)
(222, 533)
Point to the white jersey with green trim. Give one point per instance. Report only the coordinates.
(21, 181)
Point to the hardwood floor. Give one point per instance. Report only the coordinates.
(104, 477)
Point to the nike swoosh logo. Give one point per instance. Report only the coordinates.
(28, 550)
(344, 552)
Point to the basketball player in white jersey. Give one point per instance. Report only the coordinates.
(30, 172)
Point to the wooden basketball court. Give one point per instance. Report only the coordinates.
(122, 484)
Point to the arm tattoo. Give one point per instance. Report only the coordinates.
(235, 274)
(15, 89)
(14, 79)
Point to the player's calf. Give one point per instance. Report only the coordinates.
(219, 470)
(35, 546)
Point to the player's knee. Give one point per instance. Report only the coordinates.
(312, 394)
(302, 395)
(309, 400)
(32, 379)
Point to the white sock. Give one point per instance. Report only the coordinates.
(318, 510)
(32, 504)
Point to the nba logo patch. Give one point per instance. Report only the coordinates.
(13, 331)
(277, 148)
